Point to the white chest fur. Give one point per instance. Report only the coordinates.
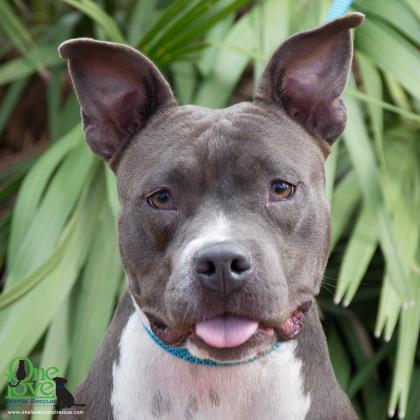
(150, 383)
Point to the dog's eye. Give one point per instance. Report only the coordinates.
(281, 190)
(161, 200)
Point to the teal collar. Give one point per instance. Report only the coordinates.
(184, 354)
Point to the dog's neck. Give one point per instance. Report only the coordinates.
(140, 380)
(175, 388)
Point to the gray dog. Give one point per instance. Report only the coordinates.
(223, 232)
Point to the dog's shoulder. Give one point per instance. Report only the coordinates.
(95, 391)
(328, 400)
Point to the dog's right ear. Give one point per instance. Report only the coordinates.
(118, 88)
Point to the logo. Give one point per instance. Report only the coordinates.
(29, 384)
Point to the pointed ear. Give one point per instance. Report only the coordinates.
(307, 74)
(118, 88)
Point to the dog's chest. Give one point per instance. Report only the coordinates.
(149, 383)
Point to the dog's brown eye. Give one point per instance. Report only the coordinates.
(161, 200)
(281, 190)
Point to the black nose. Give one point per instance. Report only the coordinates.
(223, 267)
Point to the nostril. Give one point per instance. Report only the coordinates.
(206, 267)
(223, 267)
(239, 265)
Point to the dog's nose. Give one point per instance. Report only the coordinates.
(223, 267)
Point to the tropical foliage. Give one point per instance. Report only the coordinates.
(58, 252)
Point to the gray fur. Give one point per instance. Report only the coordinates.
(328, 400)
(160, 405)
(192, 408)
(214, 397)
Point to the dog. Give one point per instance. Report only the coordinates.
(224, 235)
(65, 398)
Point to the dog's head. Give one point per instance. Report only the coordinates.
(224, 226)
(60, 381)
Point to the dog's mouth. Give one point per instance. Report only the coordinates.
(229, 331)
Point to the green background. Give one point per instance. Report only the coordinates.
(61, 273)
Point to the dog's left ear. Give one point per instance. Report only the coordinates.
(308, 73)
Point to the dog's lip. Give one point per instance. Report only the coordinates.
(169, 336)
(292, 326)
(286, 331)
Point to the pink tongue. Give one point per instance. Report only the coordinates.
(226, 330)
